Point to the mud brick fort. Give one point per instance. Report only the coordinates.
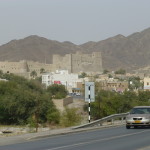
(74, 63)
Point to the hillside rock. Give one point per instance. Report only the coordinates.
(131, 52)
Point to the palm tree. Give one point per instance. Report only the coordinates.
(42, 70)
(33, 74)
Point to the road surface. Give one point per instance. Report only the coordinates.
(114, 138)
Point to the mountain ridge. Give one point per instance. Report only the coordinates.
(131, 52)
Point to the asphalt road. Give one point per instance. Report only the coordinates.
(117, 138)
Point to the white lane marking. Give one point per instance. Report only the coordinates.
(92, 141)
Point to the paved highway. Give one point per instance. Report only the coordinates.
(117, 138)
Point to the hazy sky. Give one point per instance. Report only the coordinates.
(77, 21)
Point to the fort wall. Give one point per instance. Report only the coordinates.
(24, 68)
(62, 62)
(87, 62)
(36, 66)
(79, 62)
(74, 63)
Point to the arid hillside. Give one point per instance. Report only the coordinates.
(130, 52)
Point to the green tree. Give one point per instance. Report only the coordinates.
(144, 97)
(105, 71)
(14, 101)
(107, 103)
(33, 74)
(134, 83)
(1, 74)
(58, 91)
(70, 117)
(21, 99)
(120, 71)
(83, 75)
(110, 76)
(53, 116)
(42, 70)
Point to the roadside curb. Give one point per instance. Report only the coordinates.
(56, 132)
(71, 130)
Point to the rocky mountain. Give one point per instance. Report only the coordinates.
(129, 52)
(35, 48)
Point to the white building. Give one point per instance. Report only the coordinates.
(61, 77)
(146, 83)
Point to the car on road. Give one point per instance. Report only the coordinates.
(138, 116)
(78, 94)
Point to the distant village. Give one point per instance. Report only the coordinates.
(112, 81)
(73, 70)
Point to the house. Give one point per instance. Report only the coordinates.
(147, 83)
(69, 80)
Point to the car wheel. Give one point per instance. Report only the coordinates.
(127, 127)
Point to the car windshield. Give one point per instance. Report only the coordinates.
(140, 111)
